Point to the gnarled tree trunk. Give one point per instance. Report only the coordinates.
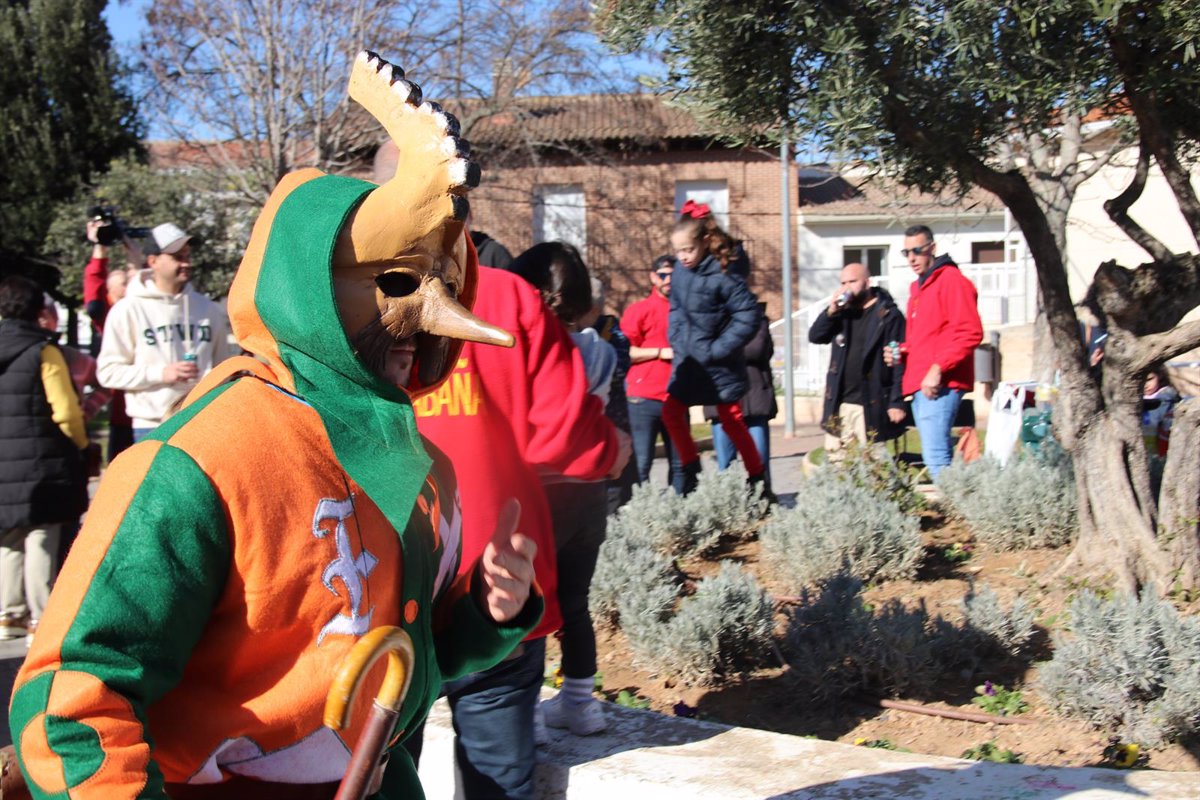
(1179, 500)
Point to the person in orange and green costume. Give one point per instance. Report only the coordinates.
(231, 560)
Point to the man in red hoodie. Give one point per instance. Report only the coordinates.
(503, 417)
(942, 332)
(645, 325)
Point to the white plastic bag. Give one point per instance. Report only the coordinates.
(1004, 422)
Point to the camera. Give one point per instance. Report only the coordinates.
(112, 228)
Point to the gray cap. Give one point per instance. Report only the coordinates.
(166, 238)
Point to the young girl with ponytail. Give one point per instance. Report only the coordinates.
(713, 316)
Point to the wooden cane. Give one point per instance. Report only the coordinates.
(364, 773)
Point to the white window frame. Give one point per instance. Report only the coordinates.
(560, 214)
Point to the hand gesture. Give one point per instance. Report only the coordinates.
(896, 415)
(507, 566)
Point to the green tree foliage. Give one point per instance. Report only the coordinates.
(960, 93)
(64, 114)
(144, 197)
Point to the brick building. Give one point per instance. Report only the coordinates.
(609, 173)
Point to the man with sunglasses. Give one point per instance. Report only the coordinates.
(943, 329)
(645, 325)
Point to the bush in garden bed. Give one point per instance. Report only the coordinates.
(724, 628)
(837, 645)
(1030, 502)
(838, 524)
(1129, 664)
(721, 507)
(994, 629)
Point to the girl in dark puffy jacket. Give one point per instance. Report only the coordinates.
(713, 317)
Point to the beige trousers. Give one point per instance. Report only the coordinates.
(852, 427)
(28, 559)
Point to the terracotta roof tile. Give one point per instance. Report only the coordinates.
(578, 118)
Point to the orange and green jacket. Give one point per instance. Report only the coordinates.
(230, 561)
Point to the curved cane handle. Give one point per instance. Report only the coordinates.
(385, 640)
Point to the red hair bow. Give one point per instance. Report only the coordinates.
(695, 210)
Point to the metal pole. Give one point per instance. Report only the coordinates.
(789, 342)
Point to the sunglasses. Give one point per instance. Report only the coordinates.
(664, 274)
(917, 251)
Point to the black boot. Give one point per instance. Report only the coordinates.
(761, 480)
(691, 477)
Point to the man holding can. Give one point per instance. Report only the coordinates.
(862, 395)
(943, 329)
(163, 336)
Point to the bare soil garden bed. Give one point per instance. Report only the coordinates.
(769, 698)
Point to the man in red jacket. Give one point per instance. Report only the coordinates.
(942, 332)
(645, 325)
(504, 417)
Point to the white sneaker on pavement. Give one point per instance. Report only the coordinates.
(581, 719)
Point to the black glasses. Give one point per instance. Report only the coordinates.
(917, 251)
(664, 274)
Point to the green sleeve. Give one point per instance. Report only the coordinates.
(151, 584)
(472, 642)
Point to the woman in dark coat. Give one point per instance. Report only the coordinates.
(713, 317)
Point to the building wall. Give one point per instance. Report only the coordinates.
(820, 245)
(1093, 238)
(630, 208)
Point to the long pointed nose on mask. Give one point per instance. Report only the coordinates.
(442, 315)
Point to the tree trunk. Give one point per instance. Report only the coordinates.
(1116, 512)
(1179, 509)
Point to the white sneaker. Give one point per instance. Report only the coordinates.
(581, 719)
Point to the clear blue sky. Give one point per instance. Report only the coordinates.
(126, 19)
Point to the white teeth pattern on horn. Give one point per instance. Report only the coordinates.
(403, 90)
(450, 147)
(458, 172)
(385, 74)
(365, 58)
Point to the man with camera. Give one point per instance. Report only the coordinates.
(163, 336)
(105, 230)
(862, 395)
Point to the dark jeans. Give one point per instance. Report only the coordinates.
(493, 725)
(578, 511)
(645, 426)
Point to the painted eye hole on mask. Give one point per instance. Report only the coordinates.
(397, 284)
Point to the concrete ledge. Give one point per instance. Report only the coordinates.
(648, 755)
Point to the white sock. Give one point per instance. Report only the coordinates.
(578, 690)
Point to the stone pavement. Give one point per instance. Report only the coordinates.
(648, 755)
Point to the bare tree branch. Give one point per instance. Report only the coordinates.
(1118, 207)
(1159, 347)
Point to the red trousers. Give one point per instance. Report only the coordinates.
(675, 420)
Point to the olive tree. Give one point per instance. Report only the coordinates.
(958, 94)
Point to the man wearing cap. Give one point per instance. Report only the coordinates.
(163, 336)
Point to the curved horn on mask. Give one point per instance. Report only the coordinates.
(442, 315)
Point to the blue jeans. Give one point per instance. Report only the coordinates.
(760, 432)
(934, 420)
(141, 433)
(493, 725)
(645, 426)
